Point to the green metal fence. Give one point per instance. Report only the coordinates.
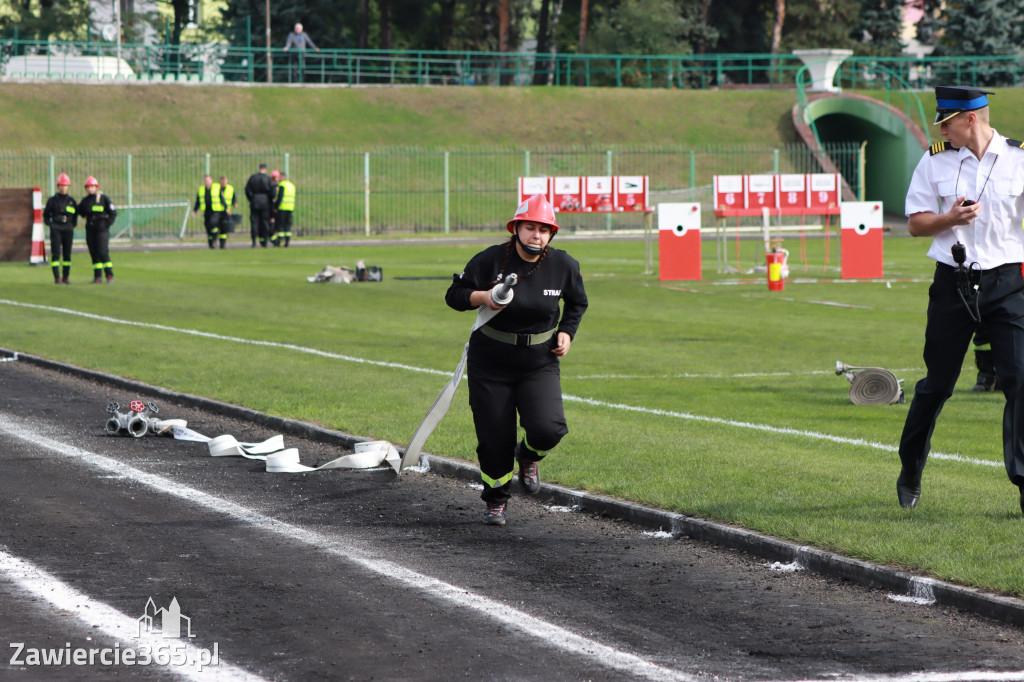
(220, 62)
(400, 191)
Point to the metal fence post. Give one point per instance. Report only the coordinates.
(287, 165)
(53, 164)
(128, 175)
(447, 197)
(860, 169)
(608, 168)
(207, 171)
(526, 164)
(366, 192)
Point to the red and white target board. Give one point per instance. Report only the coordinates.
(679, 242)
(823, 197)
(597, 193)
(629, 193)
(728, 194)
(760, 192)
(792, 192)
(587, 194)
(861, 229)
(567, 193)
(530, 186)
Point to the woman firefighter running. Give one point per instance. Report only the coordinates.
(513, 361)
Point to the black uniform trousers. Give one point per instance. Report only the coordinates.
(505, 379)
(61, 239)
(946, 339)
(259, 219)
(98, 240)
(211, 221)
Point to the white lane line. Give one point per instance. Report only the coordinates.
(814, 435)
(503, 615)
(570, 398)
(221, 337)
(105, 619)
(965, 676)
(742, 375)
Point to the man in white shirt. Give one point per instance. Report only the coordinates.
(967, 194)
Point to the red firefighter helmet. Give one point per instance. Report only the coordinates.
(63, 179)
(91, 182)
(536, 209)
(275, 174)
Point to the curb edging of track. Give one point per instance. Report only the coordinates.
(997, 607)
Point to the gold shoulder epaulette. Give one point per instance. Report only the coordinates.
(1015, 143)
(940, 147)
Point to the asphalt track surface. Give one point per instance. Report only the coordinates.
(364, 575)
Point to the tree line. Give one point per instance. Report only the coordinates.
(645, 27)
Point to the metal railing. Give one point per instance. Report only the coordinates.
(400, 191)
(220, 62)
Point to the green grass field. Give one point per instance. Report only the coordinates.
(714, 398)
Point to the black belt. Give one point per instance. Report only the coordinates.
(998, 268)
(518, 340)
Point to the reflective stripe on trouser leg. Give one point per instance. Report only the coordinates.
(495, 483)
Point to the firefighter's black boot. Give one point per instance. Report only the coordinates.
(987, 379)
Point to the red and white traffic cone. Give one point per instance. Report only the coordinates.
(38, 254)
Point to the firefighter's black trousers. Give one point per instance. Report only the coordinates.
(505, 379)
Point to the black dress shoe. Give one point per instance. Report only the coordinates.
(909, 493)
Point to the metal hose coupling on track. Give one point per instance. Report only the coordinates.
(872, 385)
(136, 423)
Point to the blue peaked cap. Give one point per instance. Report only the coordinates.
(953, 100)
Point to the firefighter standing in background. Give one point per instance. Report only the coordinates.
(260, 193)
(275, 178)
(283, 209)
(61, 216)
(230, 202)
(513, 360)
(210, 201)
(99, 214)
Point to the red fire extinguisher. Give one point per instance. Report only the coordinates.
(775, 260)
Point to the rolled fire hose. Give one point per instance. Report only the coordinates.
(502, 295)
(872, 385)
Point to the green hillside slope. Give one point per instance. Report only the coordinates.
(49, 116)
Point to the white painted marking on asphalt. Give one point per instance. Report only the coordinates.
(105, 619)
(587, 401)
(502, 614)
(965, 676)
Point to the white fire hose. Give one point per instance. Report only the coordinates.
(501, 294)
(872, 385)
(278, 459)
